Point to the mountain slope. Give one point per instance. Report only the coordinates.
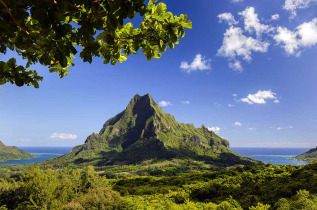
(12, 153)
(143, 131)
(308, 156)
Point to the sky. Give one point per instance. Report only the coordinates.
(247, 70)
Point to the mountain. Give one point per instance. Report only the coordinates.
(12, 153)
(308, 156)
(144, 132)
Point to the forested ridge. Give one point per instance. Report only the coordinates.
(12, 153)
(249, 187)
(309, 156)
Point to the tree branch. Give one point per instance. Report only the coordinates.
(16, 22)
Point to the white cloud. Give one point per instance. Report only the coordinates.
(236, 66)
(238, 124)
(252, 22)
(198, 64)
(294, 41)
(251, 129)
(276, 101)
(227, 17)
(185, 102)
(293, 5)
(230, 105)
(63, 136)
(288, 39)
(235, 44)
(260, 97)
(241, 43)
(214, 129)
(165, 103)
(275, 17)
(308, 33)
(283, 128)
(234, 95)
(237, 1)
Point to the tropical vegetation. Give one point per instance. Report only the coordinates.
(52, 32)
(249, 187)
(12, 153)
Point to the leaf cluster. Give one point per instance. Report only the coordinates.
(52, 32)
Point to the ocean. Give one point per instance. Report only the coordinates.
(42, 154)
(275, 156)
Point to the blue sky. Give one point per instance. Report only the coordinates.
(247, 70)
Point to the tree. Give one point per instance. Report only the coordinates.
(51, 32)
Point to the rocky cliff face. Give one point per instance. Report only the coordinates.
(144, 131)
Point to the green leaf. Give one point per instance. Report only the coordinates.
(187, 24)
(161, 8)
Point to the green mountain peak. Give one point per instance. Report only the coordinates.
(143, 131)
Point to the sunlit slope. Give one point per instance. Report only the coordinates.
(143, 131)
(12, 153)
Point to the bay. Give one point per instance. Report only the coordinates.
(275, 156)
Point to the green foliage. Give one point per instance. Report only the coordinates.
(50, 189)
(260, 206)
(257, 186)
(309, 156)
(12, 153)
(52, 32)
(250, 187)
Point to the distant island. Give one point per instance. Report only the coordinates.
(144, 134)
(12, 153)
(309, 156)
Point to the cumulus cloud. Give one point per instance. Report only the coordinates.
(275, 17)
(236, 44)
(199, 63)
(238, 123)
(165, 103)
(288, 39)
(252, 22)
(185, 102)
(214, 129)
(260, 97)
(237, 1)
(294, 5)
(251, 129)
(227, 17)
(242, 42)
(230, 105)
(293, 41)
(63, 136)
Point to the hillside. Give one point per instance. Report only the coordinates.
(144, 132)
(308, 156)
(12, 153)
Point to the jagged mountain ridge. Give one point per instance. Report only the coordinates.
(12, 153)
(144, 131)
